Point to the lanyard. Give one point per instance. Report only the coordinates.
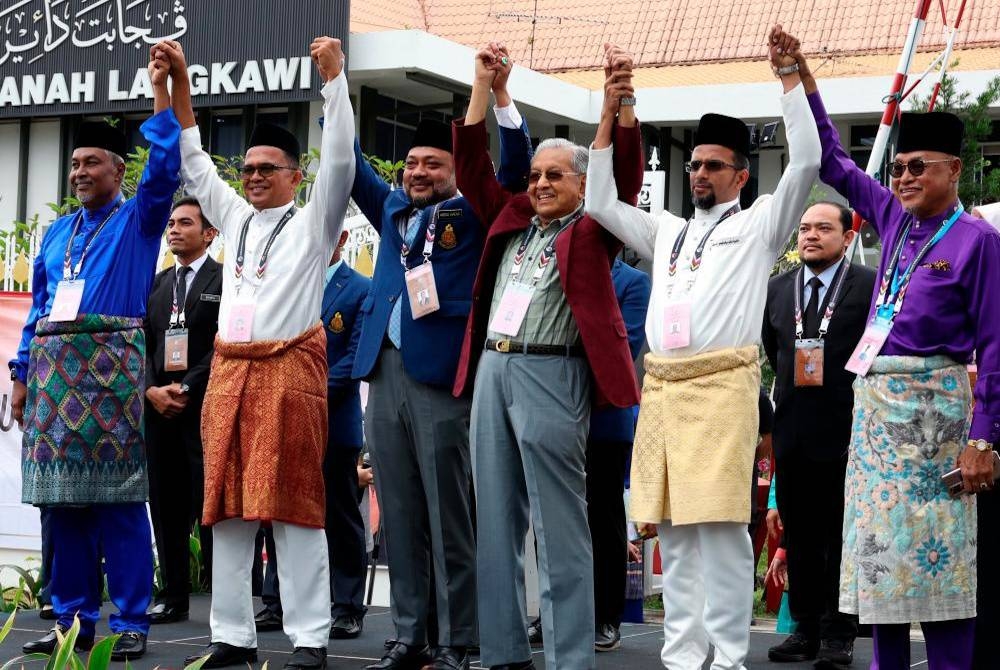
(241, 247)
(831, 303)
(71, 272)
(700, 249)
(892, 288)
(404, 250)
(545, 257)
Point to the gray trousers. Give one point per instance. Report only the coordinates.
(530, 420)
(418, 438)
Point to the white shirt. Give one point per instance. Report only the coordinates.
(991, 213)
(728, 291)
(289, 296)
(826, 278)
(195, 265)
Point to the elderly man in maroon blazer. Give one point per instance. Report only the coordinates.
(545, 335)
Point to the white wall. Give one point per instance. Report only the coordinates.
(43, 168)
(10, 177)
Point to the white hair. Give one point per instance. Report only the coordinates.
(579, 154)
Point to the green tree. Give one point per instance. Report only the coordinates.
(976, 185)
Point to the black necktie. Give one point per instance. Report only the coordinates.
(810, 320)
(182, 287)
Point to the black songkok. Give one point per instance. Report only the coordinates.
(102, 136)
(933, 131)
(724, 131)
(432, 134)
(271, 135)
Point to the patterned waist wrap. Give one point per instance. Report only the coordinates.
(264, 429)
(692, 461)
(909, 549)
(83, 438)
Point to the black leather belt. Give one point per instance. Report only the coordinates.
(514, 347)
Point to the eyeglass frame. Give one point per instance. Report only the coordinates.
(265, 170)
(561, 174)
(908, 166)
(693, 166)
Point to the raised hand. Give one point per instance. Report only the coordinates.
(783, 48)
(159, 67)
(502, 65)
(616, 59)
(328, 54)
(486, 70)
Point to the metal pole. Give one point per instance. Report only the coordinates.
(946, 57)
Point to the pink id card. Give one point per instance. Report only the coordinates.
(677, 325)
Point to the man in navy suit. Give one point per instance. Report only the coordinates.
(345, 531)
(417, 433)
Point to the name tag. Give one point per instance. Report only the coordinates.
(677, 325)
(209, 297)
(449, 214)
(240, 325)
(512, 309)
(422, 290)
(809, 362)
(66, 304)
(175, 350)
(726, 242)
(871, 343)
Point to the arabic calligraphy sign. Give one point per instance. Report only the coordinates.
(89, 56)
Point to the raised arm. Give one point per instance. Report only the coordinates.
(515, 141)
(873, 201)
(369, 190)
(332, 188)
(159, 181)
(219, 201)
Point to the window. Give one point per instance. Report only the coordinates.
(226, 137)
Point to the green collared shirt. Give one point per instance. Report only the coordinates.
(549, 319)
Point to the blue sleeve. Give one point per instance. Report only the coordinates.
(340, 373)
(39, 298)
(161, 176)
(633, 299)
(515, 158)
(369, 190)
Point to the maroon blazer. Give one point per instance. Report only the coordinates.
(584, 254)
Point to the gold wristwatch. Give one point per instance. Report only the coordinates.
(981, 445)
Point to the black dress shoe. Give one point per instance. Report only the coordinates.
(267, 620)
(308, 658)
(835, 654)
(402, 657)
(523, 665)
(607, 637)
(130, 645)
(796, 648)
(449, 658)
(535, 631)
(164, 613)
(47, 613)
(346, 627)
(47, 644)
(221, 654)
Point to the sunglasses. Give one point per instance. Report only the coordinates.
(265, 170)
(551, 176)
(712, 165)
(916, 166)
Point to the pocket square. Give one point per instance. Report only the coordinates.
(942, 265)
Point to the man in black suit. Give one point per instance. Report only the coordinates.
(815, 316)
(182, 318)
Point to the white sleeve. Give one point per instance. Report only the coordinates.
(634, 227)
(783, 210)
(332, 188)
(508, 117)
(219, 201)
(991, 213)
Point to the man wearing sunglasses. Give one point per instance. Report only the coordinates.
(545, 332)
(698, 420)
(264, 424)
(908, 545)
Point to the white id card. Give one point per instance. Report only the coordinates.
(871, 343)
(422, 290)
(240, 324)
(677, 325)
(512, 309)
(66, 305)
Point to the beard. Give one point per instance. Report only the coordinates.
(705, 202)
(440, 192)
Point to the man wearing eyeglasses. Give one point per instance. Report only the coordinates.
(908, 545)
(544, 334)
(264, 423)
(698, 420)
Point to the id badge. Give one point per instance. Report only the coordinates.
(871, 343)
(175, 350)
(512, 309)
(677, 325)
(809, 362)
(422, 290)
(240, 321)
(66, 305)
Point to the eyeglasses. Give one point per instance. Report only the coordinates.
(916, 166)
(712, 165)
(265, 170)
(551, 176)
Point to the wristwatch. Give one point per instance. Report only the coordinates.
(788, 69)
(185, 388)
(981, 445)
(13, 373)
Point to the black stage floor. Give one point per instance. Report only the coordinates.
(169, 644)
